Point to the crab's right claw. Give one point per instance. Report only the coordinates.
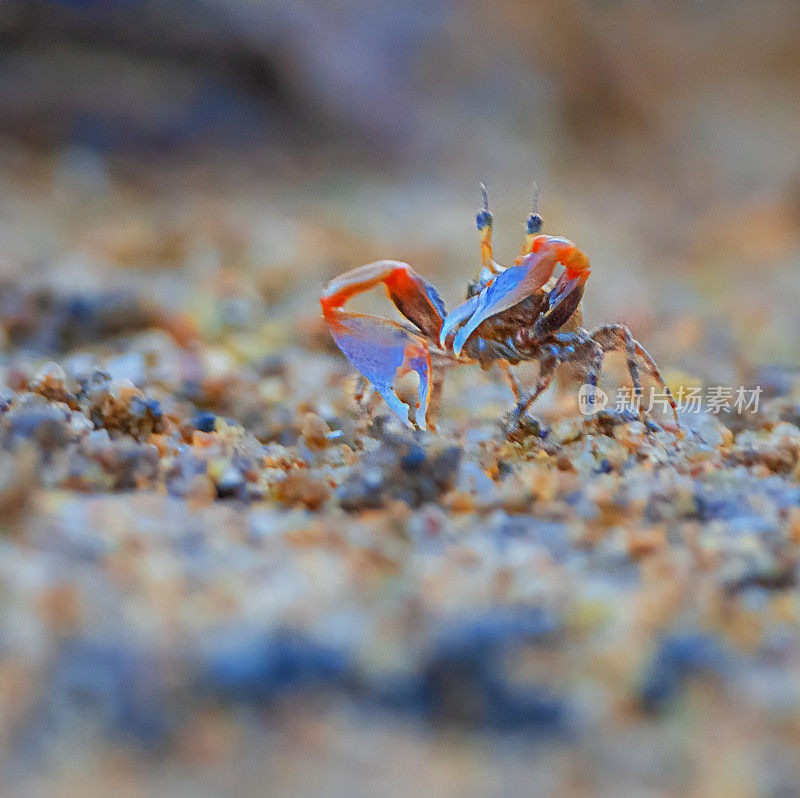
(383, 351)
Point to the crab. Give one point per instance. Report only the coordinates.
(510, 315)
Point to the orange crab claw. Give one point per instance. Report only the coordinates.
(382, 350)
(411, 293)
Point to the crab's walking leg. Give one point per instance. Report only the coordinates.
(505, 367)
(549, 360)
(592, 357)
(617, 337)
(435, 398)
(570, 348)
(542, 384)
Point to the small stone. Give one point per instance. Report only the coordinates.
(52, 373)
(122, 391)
(227, 478)
(44, 424)
(230, 483)
(644, 542)
(201, 490)
(50, 383)
(631, 435)
(205, 422)
(314, 431)
(300, 487)
(272, 390)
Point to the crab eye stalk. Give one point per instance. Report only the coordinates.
(484, 222)
(534, 224)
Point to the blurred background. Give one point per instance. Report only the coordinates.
(301, 138)
(212, 163)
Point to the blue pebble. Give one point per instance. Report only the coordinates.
(205, 422)
(465, 679)
(414, 458)
(256, 670)
(677, 658)
(154, 406)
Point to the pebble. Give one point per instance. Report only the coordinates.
(44, 424)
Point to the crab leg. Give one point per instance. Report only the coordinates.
(505, 367)
(435, 398)
(547, 367)
(616, 337)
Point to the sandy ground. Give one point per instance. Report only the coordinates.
(221, 575)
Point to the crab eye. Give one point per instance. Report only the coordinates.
(483, 220)
(534, 224)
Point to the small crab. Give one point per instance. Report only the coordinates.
(510, 315)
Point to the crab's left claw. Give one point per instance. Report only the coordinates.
(411, 293)
(383, 351)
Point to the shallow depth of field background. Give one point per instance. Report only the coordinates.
(663, 136)
(222, 160)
